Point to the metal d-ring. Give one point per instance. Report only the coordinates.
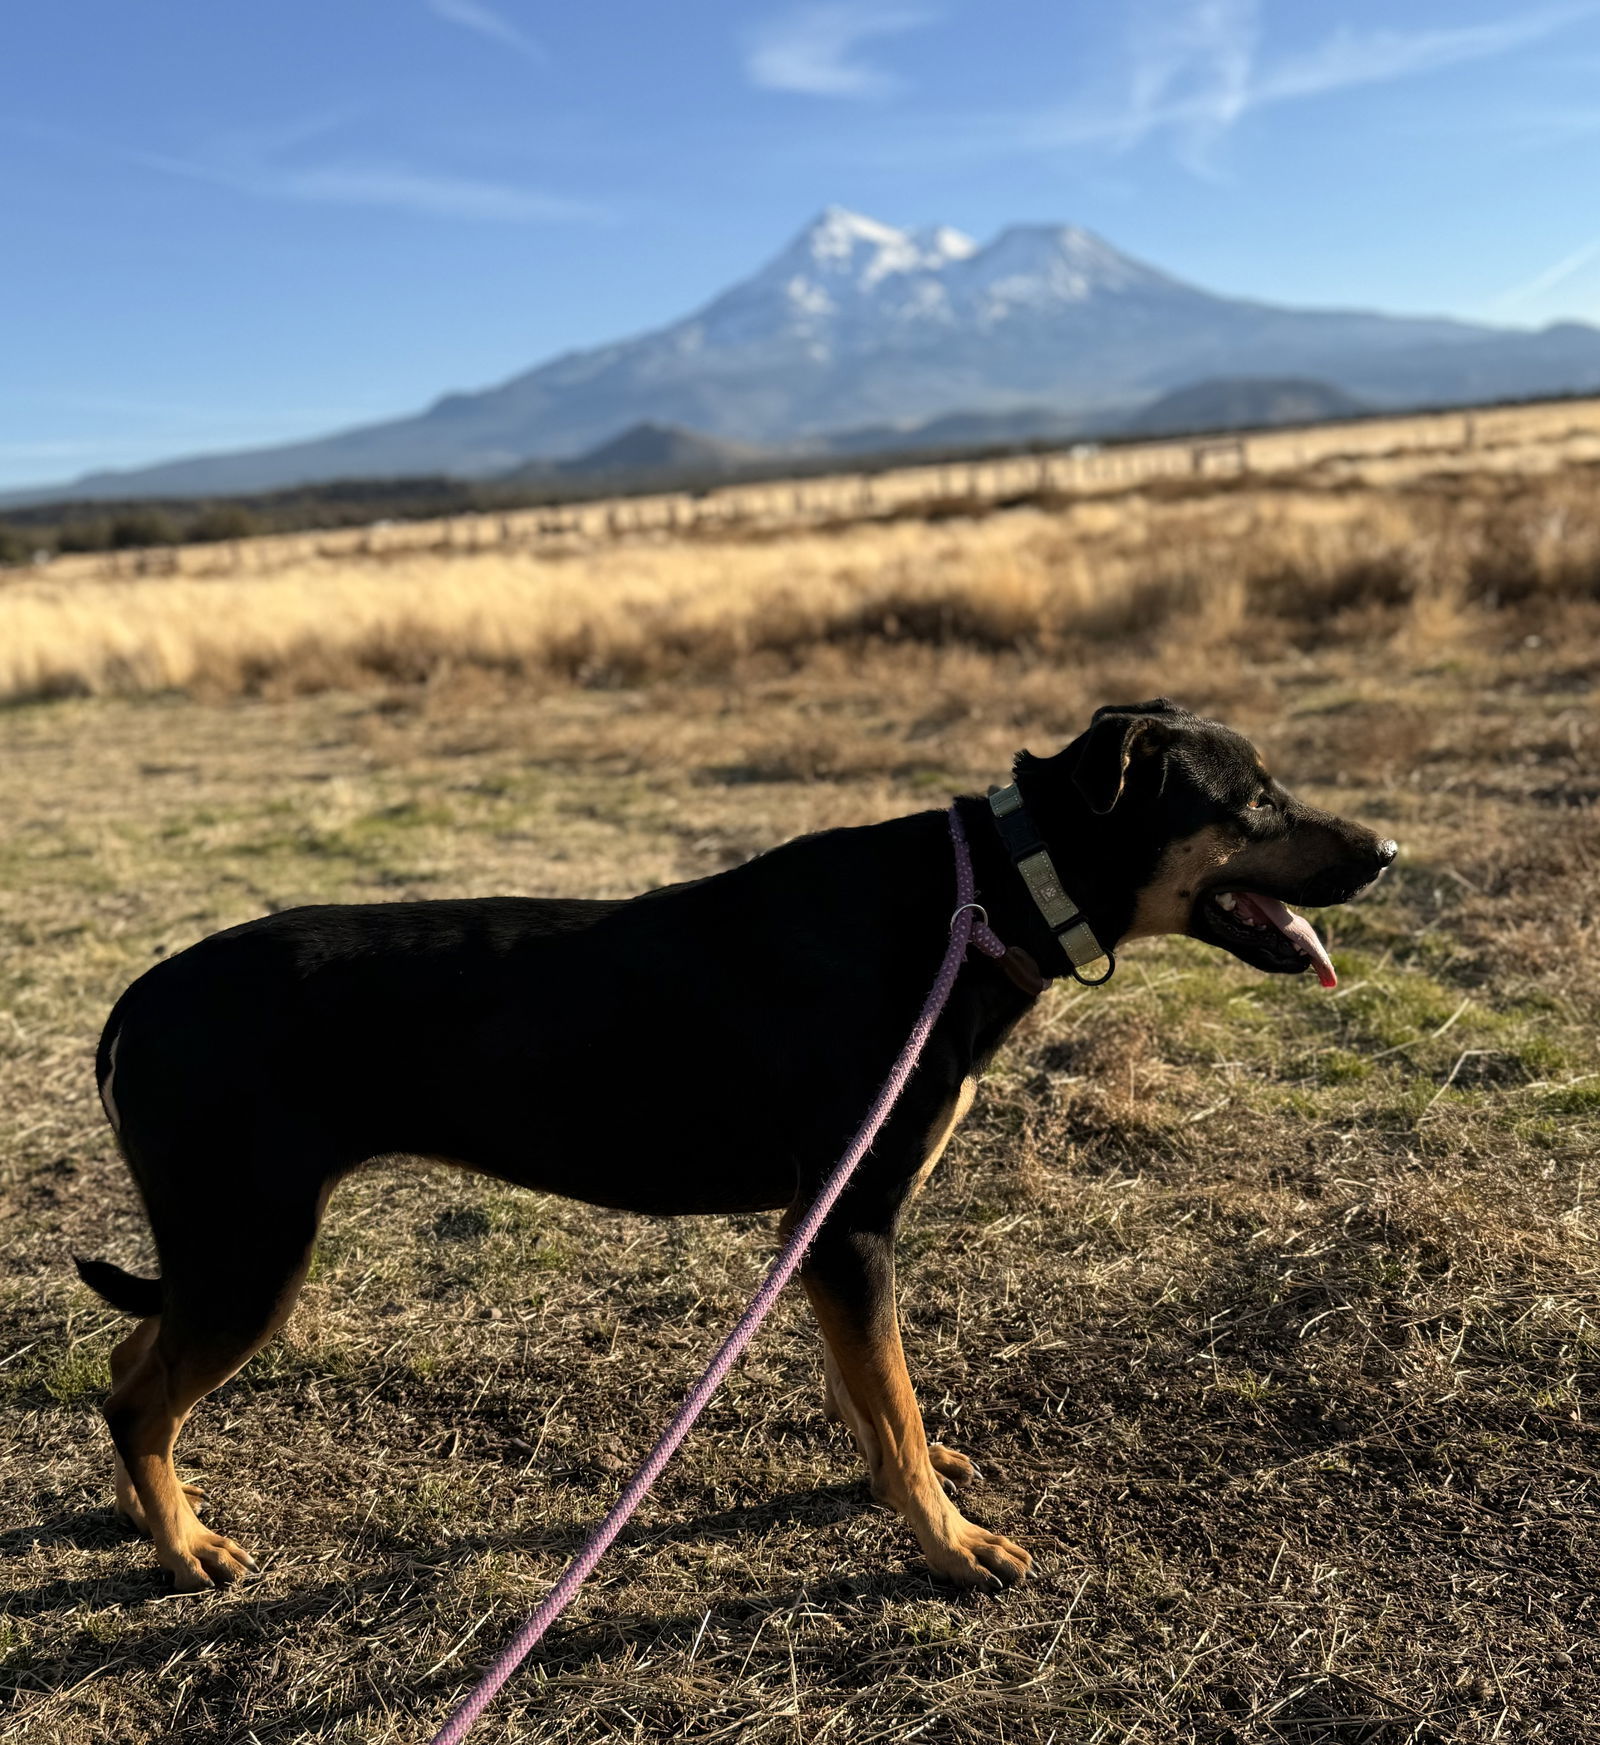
(1095, 981)
(982, 913)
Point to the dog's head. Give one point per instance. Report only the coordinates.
(1161, 822)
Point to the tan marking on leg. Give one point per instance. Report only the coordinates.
(881, 1409)
(147, 1409)
(949, 1463)
(939, 1135)
(193, 1351)
(858, 1424)
(125, 1359)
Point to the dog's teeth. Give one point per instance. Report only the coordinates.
(1225, 901)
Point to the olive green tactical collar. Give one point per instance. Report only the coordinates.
(1062, 916)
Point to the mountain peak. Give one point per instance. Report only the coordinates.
(1062, 261)
(839, 227)
(845, 265)
(841, 245)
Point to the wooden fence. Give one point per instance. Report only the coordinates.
(1539, 436)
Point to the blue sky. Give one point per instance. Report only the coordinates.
(242, 222)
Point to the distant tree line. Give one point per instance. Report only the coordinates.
(62, 527)
(53, 528)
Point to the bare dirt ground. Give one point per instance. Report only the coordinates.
(1269, 1315)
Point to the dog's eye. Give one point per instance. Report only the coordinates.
(1262, 803)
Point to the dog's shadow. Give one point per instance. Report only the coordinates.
(819, 1506)
(102, 1529)
(90, 1529)
(82, 1529)
(257, 1612)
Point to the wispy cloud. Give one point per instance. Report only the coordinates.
(394, 187)
(1198, 68)
(268, 163)
(813, 49)
(1558, 274)
(186, 412)
(431, 195)
(47, 453)
(1351, 57)
(1192, 71)
(486, 22)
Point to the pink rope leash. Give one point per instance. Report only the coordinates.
(966, 928)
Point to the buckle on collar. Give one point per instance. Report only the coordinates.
(1032, 860)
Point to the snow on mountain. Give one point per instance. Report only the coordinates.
(844, 248)
(841, 276)
(858, 324)
(845, 279)
(1034, 266)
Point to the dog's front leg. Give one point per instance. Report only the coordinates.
(849, 1279)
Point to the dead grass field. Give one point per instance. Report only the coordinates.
(1270, 1316)
(1241, 565)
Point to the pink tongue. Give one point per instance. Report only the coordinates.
(1269, 912)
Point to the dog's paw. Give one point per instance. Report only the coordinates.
(952, 1466)
(974, 1557)
(207, 1560)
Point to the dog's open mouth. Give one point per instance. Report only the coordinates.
(1264, 932)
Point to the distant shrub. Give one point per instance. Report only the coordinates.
(132, 528)
(225, 521)
(88, 534)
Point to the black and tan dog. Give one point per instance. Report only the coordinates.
(705, 1048)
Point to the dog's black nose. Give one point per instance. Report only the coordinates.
(1387, 850)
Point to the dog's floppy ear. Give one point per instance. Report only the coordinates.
(1117, 735)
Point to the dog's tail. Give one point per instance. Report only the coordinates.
(123, 1290)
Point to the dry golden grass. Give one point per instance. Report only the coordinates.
(1272, 1318)
(1249, 563)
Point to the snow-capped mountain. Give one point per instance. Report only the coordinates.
(860, 324)
(838, 280)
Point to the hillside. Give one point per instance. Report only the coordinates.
(1244, 403)
(652, 450)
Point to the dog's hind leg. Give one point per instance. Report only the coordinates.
(125, 1358)
(849, 1279)
(146, 1413)
(218, 1311)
